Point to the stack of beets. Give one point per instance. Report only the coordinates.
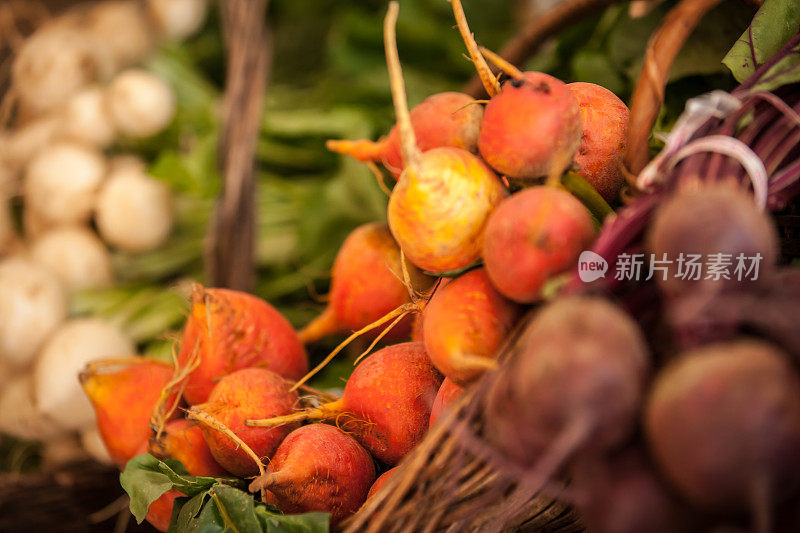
(666, 439)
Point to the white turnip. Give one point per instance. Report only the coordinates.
(53, 64)
(61, 182)
(123, 28)
(94, 446)
(18, 414)
(76, 256)
(178, 19)
(86, 119)
(66, 353)
(134, 211)
(32, 305)
(140, 103)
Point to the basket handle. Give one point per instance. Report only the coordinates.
(230, 246)
(648, 96)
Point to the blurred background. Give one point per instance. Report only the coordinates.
(103, 273)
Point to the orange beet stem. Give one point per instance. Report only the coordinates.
(326, 410)
(369, 327)
(408, 139)
(501, 63)
(270, 479)
(488, 78)
(321, 327)
(363, 150)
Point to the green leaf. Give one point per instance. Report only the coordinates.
(700, 55)
(182, 481)
(237, 507)
(223, 509)
(146, 479)
(774, 24)
(272, 522)
(185, 511)
(144, 484)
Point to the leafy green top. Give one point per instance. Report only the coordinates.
(775, 23)
(210, 504)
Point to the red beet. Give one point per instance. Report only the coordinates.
(723, 425)
(447, 394)
(465, 323)
(710, 219)
(366, 285)
(387, 415)
(531, 236)
(623, 494)
(244, 394)
(443, 119)
(319, 468)
(230, 330)
(574, 384)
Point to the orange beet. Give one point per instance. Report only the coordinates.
(531, 128)
(386, 404)
(417, 330)
(464, 325)
(319, 468)
(447, 394)
(160, 511)
(229, 330)
(443, 119)
(381, 481)
(124, 393)
(183, 440)
(366, 284)
(439, 207)
(604, 126)
(247, 393)
(393, 391)
(533, 235)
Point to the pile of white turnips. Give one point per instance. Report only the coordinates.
(78, 86)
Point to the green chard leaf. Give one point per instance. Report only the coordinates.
(224, 509)
(774, 24)
(210, 505)
(272, 522)
(146, 479)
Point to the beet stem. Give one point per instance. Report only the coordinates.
(488, 78)
(325, 410)
(762, 507)
(362, 149)
(405, 308)
(322, 326)
(195, 413)
(501, 63)
(408, 139)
